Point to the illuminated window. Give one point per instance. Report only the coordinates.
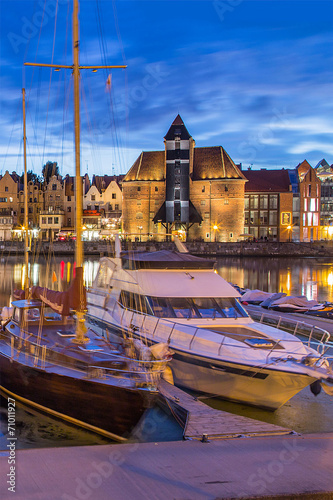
(309, 219)
(273, 199)
(313, 205)
(254, 201)
(305, 205)
(264, 201)
(272, 218)
(315, 219)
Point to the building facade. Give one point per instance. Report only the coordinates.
(268, 205)
(196, 193)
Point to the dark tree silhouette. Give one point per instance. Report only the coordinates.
(50, 169)
(31, 176)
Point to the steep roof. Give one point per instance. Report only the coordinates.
(208, 163)
(149, 166)
(267, 180)
(214, 163)
(102, 181)
(303, 168)
(177, 129)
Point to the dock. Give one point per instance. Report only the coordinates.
(201, 422)
(271, 467)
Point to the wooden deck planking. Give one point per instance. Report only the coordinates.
(201, 419)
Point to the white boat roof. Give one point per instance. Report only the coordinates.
(182, 283)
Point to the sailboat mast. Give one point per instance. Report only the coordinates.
(26, 222)
(78, 183)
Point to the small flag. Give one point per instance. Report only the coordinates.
(54, 277)
(108, 84)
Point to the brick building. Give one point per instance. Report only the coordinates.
(268, 204)
(309, 195)
(197, 193)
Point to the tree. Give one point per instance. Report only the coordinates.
(50, 169)
(31, 176)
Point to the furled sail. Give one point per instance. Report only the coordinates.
(61, 302)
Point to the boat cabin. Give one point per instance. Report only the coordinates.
(34, 312)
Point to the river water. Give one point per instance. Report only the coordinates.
(305, 413)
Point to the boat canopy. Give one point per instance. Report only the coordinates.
(180, 283)
(164, 259)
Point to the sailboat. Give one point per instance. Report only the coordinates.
(50, 360)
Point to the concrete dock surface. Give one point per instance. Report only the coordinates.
(285, 467)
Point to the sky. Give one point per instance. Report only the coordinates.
(255, 77)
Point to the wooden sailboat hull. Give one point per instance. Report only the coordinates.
(110, 410)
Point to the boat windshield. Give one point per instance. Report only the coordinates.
(182, 307)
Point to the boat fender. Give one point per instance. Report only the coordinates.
(6, 313)
(316, 387)
(327, 388)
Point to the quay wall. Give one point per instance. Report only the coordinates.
(213, 249)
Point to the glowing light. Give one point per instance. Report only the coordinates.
(330, 279)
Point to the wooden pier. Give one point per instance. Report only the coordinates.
(201, 422)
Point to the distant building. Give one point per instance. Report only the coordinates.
(197, 193)
(325, 174)
(268, 205)
(306, 187)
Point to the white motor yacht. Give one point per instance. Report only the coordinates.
(174, 297)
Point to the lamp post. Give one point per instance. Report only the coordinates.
(215, 229)
(289, 232)
(140, 229)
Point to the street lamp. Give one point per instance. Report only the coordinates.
(289, 232)
(215, 229)
(140, 229)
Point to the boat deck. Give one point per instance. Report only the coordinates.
(199, 420)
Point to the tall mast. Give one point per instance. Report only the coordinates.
(80, 313)
(26, 222)
(78, 183)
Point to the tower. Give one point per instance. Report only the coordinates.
(179, 158)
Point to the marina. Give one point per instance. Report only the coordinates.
(166, 310)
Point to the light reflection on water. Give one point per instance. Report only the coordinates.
(311, 277)
(304, 413)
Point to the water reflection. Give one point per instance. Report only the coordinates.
(310, 277)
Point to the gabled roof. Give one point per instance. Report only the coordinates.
(214, 163)
(103, 181)
(267, 181)
(149, 166)
(303, 168)
(208, 163)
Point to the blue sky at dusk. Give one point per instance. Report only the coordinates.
(253, 76)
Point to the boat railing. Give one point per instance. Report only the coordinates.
(315, 337)
(139, 370)
(312, 333)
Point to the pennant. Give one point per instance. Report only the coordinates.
(54, 277)
(108, 84)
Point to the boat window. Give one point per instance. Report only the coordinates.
(104, 276)
(16, 315)
(208, 308)
(161, 307)
(32, 314)
(50, 315)
(133, 301)
(231, 308)
(183, 308)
